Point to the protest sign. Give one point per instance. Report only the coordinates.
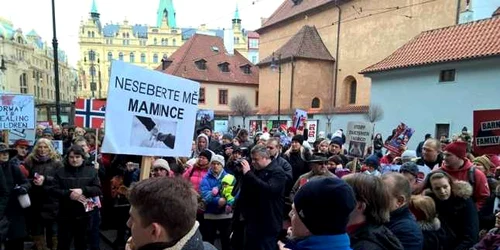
(17, 112)
(299, 119)
(220, 126)
(312, 130)
(27, 134)
(204, 116)
(399, 139)
(149, 113)
(58, 146)
(487, 132)
(359, 138)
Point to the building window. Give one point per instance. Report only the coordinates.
(315, 103)
(166, 41)
(224, 67)
(352, 92)
(110, 56)
(174, 42)
(155, 58)
(201, 64)
(155, 41)
(254, 59)
(254, 44)
(143, 58)
(222, 96)
(202, 96)
(246, 69)
(257, 98)
(132, 57)
(88, 34)
(22, 84)
(120, 56)
(447, 75)
(93, 34)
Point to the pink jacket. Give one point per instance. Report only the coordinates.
(195, 175)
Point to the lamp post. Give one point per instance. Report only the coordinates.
(277, 65)
(93, 85)
(2, 69)
(56, 64)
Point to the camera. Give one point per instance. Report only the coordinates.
(237, 163)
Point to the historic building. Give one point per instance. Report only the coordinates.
(435, 81)
(141, 45)
(223, 73)
(27, 67)
(355, 34)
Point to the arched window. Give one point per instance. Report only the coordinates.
(22, 84)
(132, 57)
(110, 56)
(316, 103)
(166, 41)
(143, 58)
(165, 56)
(351, 86)
(93, 34)
(155, 41)
(120, 56)
(174, 42)
(155, 58)
(89, 34)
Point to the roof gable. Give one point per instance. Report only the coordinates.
(200, 48)
(455, 43)
(306, 43)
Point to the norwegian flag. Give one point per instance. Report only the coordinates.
(89, 113)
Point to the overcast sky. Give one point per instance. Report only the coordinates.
(36, 14)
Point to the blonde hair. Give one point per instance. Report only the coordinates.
(423, 207)
(52, 152)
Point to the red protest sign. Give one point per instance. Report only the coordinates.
(487, 132)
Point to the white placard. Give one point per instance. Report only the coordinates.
(27, 134)
(149, 113)
(17, 112)
(312, 130)
(359, 138)
(220, 126)
(58, 146)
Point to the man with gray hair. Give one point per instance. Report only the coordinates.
(261, 200)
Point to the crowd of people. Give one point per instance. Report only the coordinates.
(274, 191)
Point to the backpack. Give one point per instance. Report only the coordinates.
(472, 179)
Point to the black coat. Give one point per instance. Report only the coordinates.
(262, 200)
(459, 217)
(70, 177)
(43, 204)
(373, 237)
(4, 193)
(281, 162)
(406, 229)
(435, 237)
(14, 211)
(298, 162)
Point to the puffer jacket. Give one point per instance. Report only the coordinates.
(195, 175)
(374, 237)
(70, 177)
(405, 228)
(459, 216)
(209, 182)
(43, 204)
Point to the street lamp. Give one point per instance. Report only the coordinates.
(2, 65)
(93, 85)
(56, 64)
(277, 65)
(38, 77)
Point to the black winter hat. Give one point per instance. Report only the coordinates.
(324, 205)
(207, 154)
(298, 138)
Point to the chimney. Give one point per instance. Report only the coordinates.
(229, 41)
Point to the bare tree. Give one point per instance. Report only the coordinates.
(375, 114)
(240, 106)
(329, 113)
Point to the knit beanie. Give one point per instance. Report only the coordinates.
(47, 131)
(495, 160)
(207, 154)
(458, 148)
(337, 141)
(161, 163)
(372, 161)
(218, 158)
(324, 204)
(298, 138)
(484, 161)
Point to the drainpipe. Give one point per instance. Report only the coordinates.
(292, 81)
(457, 18)
(337, 57)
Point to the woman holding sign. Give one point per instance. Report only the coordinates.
(42, 164)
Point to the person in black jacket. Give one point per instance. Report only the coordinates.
(297, 155)
(402, 223)
(16, 184)
(424, 210)
(74, 185)
(455, 208)
(366, 224)
(262, 200)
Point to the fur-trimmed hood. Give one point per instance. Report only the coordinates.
(433, 225)
(462, 189)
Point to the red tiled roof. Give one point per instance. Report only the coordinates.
(202, 47)
(253, 34)
(455, 43)
(337, 110)
(307, 43)
(288, 10)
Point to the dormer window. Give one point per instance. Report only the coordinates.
(224, 67)
(201, 64)
(247, 69)
(296, 2)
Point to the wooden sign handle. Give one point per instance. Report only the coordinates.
(145, 167)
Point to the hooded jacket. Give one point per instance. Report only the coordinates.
(374, 237)
(458, 217)
(480, 190)
(195, 175)
(434, 235)
(209, 182)
(405, 228)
